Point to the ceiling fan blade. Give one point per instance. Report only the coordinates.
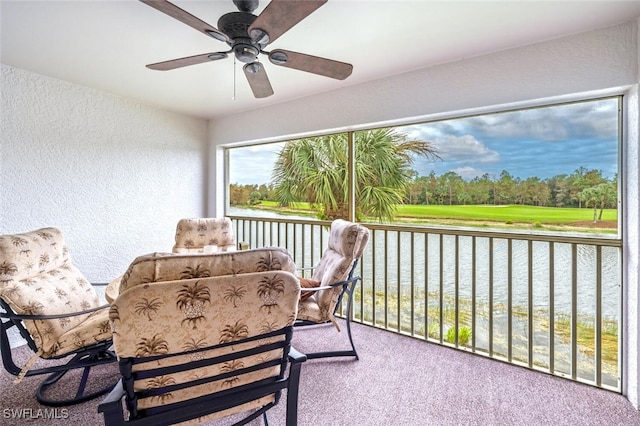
(312, 64)
(186, 18)
(258, 80)
(279, 16)
(189, 60)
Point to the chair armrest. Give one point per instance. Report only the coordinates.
(111, 406)
(334, 285)
(295, 356)
(115, 395)
(51, 316)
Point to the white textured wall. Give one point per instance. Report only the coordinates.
(114, 175)
(631, 275)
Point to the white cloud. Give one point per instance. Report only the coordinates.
(465, 149)
(468, 173)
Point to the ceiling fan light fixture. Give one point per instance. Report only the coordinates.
(278, 57)
(245, 52)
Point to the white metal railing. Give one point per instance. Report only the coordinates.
(551, 303)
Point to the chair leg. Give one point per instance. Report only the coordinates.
(353, 347)
(101, 357)
(292, 393)
(352, 352)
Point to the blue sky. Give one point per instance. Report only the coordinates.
(542, 142)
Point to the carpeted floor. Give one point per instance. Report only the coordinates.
(398, 381)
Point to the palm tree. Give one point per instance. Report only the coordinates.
(146, 306)
(200, 271)
(159, 382)
(270, 290)
(231, 366)
(192, 345)
(315, 170)
(231, 332)
(268, 264)
(598, 196)
(33, 308)
(155, 345)
(7, 271)
(233, 294)
(191, 299)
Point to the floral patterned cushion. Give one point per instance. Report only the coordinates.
(193, 234)
(347, 241)
(172, 317)
(170, 267)
(37, 277)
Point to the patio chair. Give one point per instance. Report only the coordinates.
(196, 344)
(193, 235)
(55, 310)
(334, 277)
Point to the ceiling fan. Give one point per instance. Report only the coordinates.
(248, 35)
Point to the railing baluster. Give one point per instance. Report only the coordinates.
(574, 311)
(491, 296)
(386, 282)
(552, 309)
(530, 312)
(398, 280)
(473, 293)
(598, 331)
(413, 283)
(441, 288)
(510, 300)
(457, 291)
(426, 285)
(374, 268)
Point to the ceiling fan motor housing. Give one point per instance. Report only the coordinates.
(236, 26)
(245, 50)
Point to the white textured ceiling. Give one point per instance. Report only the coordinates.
(106, 44)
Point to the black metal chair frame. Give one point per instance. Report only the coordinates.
(85, 358)
(348, 288)
(170, 413)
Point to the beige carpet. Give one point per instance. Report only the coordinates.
(398, 381)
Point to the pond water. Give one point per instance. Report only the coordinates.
(428, 262)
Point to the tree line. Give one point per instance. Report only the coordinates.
(582, 188)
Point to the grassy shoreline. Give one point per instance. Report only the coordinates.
(485, 216)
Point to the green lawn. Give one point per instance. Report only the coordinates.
(514, 213)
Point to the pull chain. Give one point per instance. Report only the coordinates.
(234, 79)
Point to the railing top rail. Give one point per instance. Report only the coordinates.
(281, 220)
(600, 239)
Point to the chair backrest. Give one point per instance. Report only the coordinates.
(193, 234)
(218, 338)
(170, 267)
(347, 241)
(38, 277)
